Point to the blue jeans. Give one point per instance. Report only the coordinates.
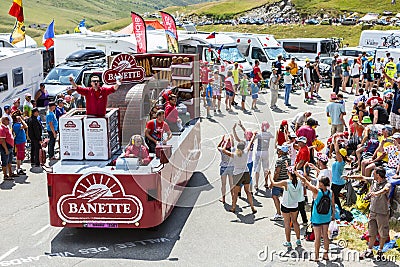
(52, 143)
(288, 88)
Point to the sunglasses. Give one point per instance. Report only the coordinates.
(95, 81)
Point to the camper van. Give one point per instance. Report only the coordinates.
(207, 49)
(309, 47)
(28, 42)
(263, 47)
(379, 38)
(21, 72)
(109, 42)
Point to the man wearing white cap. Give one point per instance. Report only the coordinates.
(300, 119)
(27, 106)
(304, 153)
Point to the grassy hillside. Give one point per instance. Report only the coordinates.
(350, 34)
(230, 8)
(68, 13)
(221, 9)
(335, 6)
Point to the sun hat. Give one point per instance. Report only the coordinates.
(355, 118)
(354, 112)
(283, 148)
(343, 152)
(322, 157)
(307, 60)
(302, 139)
(396, 135)
(293, 135)
(366, 120)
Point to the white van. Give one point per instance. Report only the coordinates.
(263, 47)
(378, 38)
(207, 49)
(309, 47)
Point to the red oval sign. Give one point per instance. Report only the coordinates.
(124, 65)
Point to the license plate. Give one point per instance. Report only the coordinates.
(100, 225)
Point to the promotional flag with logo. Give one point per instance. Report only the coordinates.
(170, 32)
(48, 36)
(18, 33)
(139, 28)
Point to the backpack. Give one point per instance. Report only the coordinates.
(324, 204)
(346, 216)
(251, 74)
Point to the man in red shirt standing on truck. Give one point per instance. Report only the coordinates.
(96, 96)
(154, 133)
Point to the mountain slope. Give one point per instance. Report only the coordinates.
(67, 13)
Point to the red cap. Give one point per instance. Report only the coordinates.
(284, 122)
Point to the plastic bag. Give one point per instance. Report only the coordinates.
(333, 229)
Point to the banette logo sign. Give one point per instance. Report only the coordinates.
(100, 198)
(124, 65)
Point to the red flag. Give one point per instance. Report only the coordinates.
(170, 31)
(139, 28)
(211, 36)
(16, 10)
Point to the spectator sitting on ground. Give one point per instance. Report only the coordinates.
(137, 149)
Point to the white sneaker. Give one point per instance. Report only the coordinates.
(277, 217)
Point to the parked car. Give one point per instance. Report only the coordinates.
(312, 22)
(349, 21)
(382, 22)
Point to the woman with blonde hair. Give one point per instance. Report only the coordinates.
(241, 175)
(292, 195)
(137, 149)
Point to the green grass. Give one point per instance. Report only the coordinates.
(339, 6)
(221, 9)
(350, 34)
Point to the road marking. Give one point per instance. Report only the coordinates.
(5, 255)
(41, 230)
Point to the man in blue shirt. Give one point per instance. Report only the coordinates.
(398, 68)
(335, 110)
(19, 128)
(60, 110)
(52, 129)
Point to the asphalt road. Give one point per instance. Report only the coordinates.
(199, 232)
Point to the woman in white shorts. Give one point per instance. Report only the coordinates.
(217, 86)
(262, 151)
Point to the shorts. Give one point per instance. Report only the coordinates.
(6, 159)
(242, 178)
(379, 163)
(377, 75)
(395, 120)
(226, 170)
(229, 93)
(320, 224)
(277, 191)
(346, 74)
(316, 80)
(254, 96)
(20, 149)
(378, 223)
(288, 210)
(243, 98)
(209, 102)
(357, 76)
(216, 93)
(261, 158)
(368, 78)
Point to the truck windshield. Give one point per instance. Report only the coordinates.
(232, 54)
(273, 52)
(60, 76)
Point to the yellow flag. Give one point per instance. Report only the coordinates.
(18, 33)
